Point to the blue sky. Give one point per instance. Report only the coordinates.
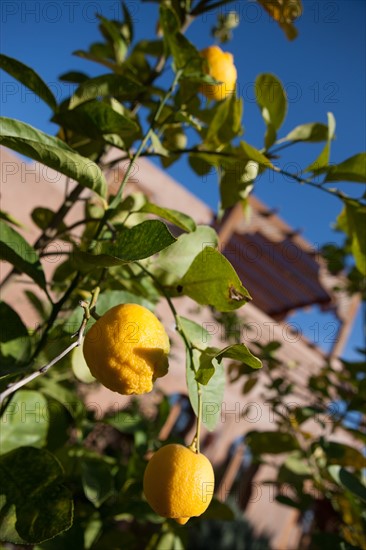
(322, 70)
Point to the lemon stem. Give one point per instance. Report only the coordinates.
(195, 445)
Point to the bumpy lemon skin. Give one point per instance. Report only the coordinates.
(220, 65)
(126, 349)
(179, 483)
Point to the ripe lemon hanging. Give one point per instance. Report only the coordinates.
(220, 65)
(179, 483)
(127, 348)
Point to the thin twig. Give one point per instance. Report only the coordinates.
(80, 335)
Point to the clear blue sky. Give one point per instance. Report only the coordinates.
(323, 70)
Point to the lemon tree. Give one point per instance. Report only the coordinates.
(75, 476)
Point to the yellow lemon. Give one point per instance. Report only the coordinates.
(220, 65)
(127, 348)
(178, 483)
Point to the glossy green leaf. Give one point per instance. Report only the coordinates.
(352, 222)
(348, 481)
(18, 252)
(118, 86)
(270, 442)
(236, 182)
(42, 217)
(139, 242)
(352, 169)
(218, 510)
(52, 152)
(174, 216)
(97, 481)
(341, 454)
(127, 422)
(29, 78)
(35, 505)
(212, 393)
(212, 280)
(197, 334)
(157, 146)
(10, 219)
(185, 55)
(15, 343)
(226, 123)
(173, 262)
(271, 98)
(96, 118)
(75, 77)
(112, 28)
(249, 152)
(25, 421)
(249, 385)
(322, 161)
(311, 132)
(237, 352)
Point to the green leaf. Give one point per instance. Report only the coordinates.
(25, 421)
(15, 346)
(29, 78)
(271, 98)
(96, 118)
(197, 334)
(119, 44)
(298, 464)
(348, 481)
(141, 241)
(218, 510)
(157, 146)
(97, 480)
(212, 280)
(42, 217)
(185, 55)
(174, 216)
(270, 442)
(212, 393)
(237, 352)
(36, 506)
(52, 152)
(248, 152)
(18, 252)
(312, 132)
(341, 454)
(125, 421)
(118, 86)
(322, 160)
(352, 169)
(236, 182)
(10, 219)
(352, 222)
(75, 77)
(226, 123)
(173, 262)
